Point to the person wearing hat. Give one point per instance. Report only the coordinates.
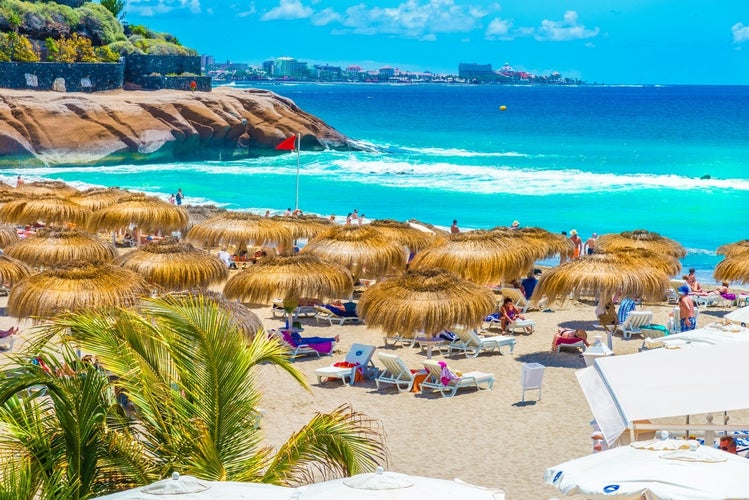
(515, 225)
(577, 244)
(686, 310)
(590, 244)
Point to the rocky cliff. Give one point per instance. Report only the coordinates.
(50, 128)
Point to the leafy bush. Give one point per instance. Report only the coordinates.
(15, 47)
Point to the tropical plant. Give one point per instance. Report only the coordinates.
(190, 376)
(116, 7)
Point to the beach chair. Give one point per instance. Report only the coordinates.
(323, 313)
(575, 344)
(8, 339)
(396, 372)
(517, 298)
(674, 320)
(527, 326)
(397, 339)
(471, 344)
(634, 322)
(296, 350)
(443, 380)
(650, 333)
(278, 311)
(357, 365)
(708, 300)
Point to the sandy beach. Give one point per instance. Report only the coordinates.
(488, 438)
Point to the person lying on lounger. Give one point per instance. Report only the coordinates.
(7, 333)
(568, 333)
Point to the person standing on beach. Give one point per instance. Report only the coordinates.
(172, 199)
(590, 244)
(563, 256)
(454, 228)
(179, 196)
(577, 243)
(686, 310)
(19, 181)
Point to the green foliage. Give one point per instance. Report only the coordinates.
(116, 7)
(106, 54)
(99, 24)
(15, 47)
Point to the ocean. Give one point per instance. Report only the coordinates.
(669, 159)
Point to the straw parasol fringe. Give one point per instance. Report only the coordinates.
(149, 213)
(428, 300)
(290, 278)
(42, 188)
(8, 235)
(734, 249)
(362, 249)
(12, 270)
(542, 243)
(733, 268)
(303, 226)
(403, 233)
(174, 265)
(234, 228)
(648, 258)
(640, 238)
(51, 247)
(98, 198)
(48, 208)
(75, 287)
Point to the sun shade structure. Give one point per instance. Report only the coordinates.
(148, 213)
(236, 228)
(360, 248)
(540, 243)
(42, 188)
(8, 235)
(75, 287)
(303, 226)
(640, 238)
(47, 208)
(174, 265)
(426, 300)
(733, 268)
(201, 213)
(51, 247)
(601, 274)
(13, 270)
(290, 278)
(734, 249)
(648, 258)
(403, 233)
(483, 257)
(98, 198)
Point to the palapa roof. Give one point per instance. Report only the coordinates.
(426, 300)
(8, 235)
(648, 258)
(51, 209)
(733, 268)
(403, 233)
(640, 238)
(174, 265)
(234, 228)
(50, 247)
(97, 198)
(13, 270)
(36, 188)
(149, 213)
(303, 226)
(541, 243)
(732, 249)
(289, 278)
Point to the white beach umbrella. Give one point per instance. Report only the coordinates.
(394, 486)
(665, 468)
(190, 488)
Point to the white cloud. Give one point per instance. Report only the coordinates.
(149, 8)
(192, 5)
(740, 33)
(567, 29)
(415, 19)
(326, 16)
(498, 29)
(288, 9)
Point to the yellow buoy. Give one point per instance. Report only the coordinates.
(503, 108)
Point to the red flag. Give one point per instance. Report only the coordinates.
(288, 144)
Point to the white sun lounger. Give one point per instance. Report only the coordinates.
(470, 379)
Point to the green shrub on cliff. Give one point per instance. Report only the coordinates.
(15, 47)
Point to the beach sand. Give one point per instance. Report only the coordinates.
(488, 438)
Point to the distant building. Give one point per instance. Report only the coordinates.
(288, 67)
(206, 61)
(327, 73)
(476, 72)
(386, 73)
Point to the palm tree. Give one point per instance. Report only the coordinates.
(191, 378)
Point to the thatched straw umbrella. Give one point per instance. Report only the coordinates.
(428, 300)
(242, 316)
(175, 265)
(290, 278)
(98, 198)
(541, 243)
(43, 188)
(304, 226)
(734, 249)
(75, 287)
(48, 208)
(51, 247)
(733, 268)
(8, 235)
(601, 274)
(642, 257)
(238, 228)
(640, 238)
(148, 213)
(484, 257)
(362, 249)
(404, 233)
(201, 213)
(13, 270)
(427, 227)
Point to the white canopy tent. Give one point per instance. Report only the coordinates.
(714, 333)
(740, 316)
(665, 383)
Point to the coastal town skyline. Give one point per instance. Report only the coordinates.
(625, 42)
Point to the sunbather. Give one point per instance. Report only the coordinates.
(568, 335)
(299, 340)
(7, 333)
(509, 313)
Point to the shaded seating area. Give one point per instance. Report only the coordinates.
(334, 314)
(305, 310)
(442, 379)
(634, 322)
(356, 366)
(396, 372)
(470, 343)
(301, 346)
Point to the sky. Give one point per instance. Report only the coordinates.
(598, 41)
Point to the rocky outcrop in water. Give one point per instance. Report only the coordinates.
(50, 128)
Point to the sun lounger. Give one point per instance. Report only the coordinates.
(296, 350)
(396, 372)
(357, 365)
(575, 343)
(635, 320)
(398, 340)
(709, 300)
(471, 344)
(325, 313)
(517, 298)
(443, 380)
(521, 326)
(279, 312)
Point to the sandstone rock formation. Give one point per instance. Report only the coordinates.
(50, 128)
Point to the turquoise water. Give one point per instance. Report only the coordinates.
(603, 159)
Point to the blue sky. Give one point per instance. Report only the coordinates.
(604, 41)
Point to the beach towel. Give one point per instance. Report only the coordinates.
(350, 312)
(626, 306)
(323, 345)
(447, 375)
(358, 373)
(574, 340)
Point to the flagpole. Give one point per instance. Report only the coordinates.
(298, 146)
